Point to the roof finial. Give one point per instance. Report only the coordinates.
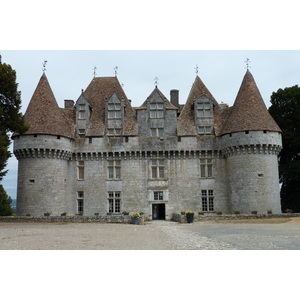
(116, 71)
(247, 61)
(95, 73)
(156, 81)
(196, 70)
(44, 66)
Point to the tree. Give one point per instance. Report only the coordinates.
(11, 119)
(5, 203)
(285, 110)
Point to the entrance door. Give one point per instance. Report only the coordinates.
(159, 211)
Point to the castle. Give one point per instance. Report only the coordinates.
(102, 155)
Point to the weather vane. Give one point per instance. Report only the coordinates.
(196, 69)
(44, 66)
(247, 61)
(95, 73)
(156, 81)
(116, 70)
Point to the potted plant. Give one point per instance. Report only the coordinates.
(189, 216)
(182, 213)
(27, 214)
(135, 218)
(63, 214)
(237, 212)
(288, 211)
(96, 213)
(141, 213)
(109, 213)
(269, 212)
(201, 213)
(47, 213)
(219, 212)
(254, 212)
(125, 213)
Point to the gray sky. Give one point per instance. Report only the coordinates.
(221, 71)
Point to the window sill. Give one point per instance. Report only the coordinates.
(111, 179)
(158, 179)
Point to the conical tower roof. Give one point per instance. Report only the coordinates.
(43, 116)
(186, 120)
(249, 111)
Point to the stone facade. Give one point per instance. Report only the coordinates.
(116, 158)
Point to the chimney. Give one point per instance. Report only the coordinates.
(69, 103)
(174, 96)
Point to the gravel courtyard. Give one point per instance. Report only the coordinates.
(156, 235)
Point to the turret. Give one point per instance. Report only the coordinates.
(251, 142)
(43, 153)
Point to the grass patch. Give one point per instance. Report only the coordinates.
(256, 221)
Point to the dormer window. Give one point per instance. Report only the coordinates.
(205, 130)
(81, 114)
(81, 133)
(156, 110)
(114, 111)
(204, 108)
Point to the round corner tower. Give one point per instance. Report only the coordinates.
(43, 154)
(251, 142)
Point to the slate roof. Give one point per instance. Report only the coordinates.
(43, 114)
(249, 111)
(186, 120)
(99, 90)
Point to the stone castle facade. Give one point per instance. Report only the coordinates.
(101, 154)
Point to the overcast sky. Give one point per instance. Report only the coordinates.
(221, 71)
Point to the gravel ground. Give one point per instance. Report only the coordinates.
(155, 235)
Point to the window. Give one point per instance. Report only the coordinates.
(80, 196)
(81, 114)
(207, 200)
(114, 202)
(158, 195)
(158, 168)
(205, 129)
(114, 131)
(81, 133)
(157, 132)
(156, 110)
(203, 109)
(114, 168)
(114, 111)
(206, 167)
(80, 170)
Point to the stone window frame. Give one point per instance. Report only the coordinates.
(114, 111)
(81, 133)
(205, 129)
(157, 132)
(206, 167)
(207, 200)
(80, 202)
(114, 168)
(204, 108)
(156, 110)
(114, 131)
(80, 169)
(114, 201)
(157, 168)
(81, 112)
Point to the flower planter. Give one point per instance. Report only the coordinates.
(135, 221)
(190, 218)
